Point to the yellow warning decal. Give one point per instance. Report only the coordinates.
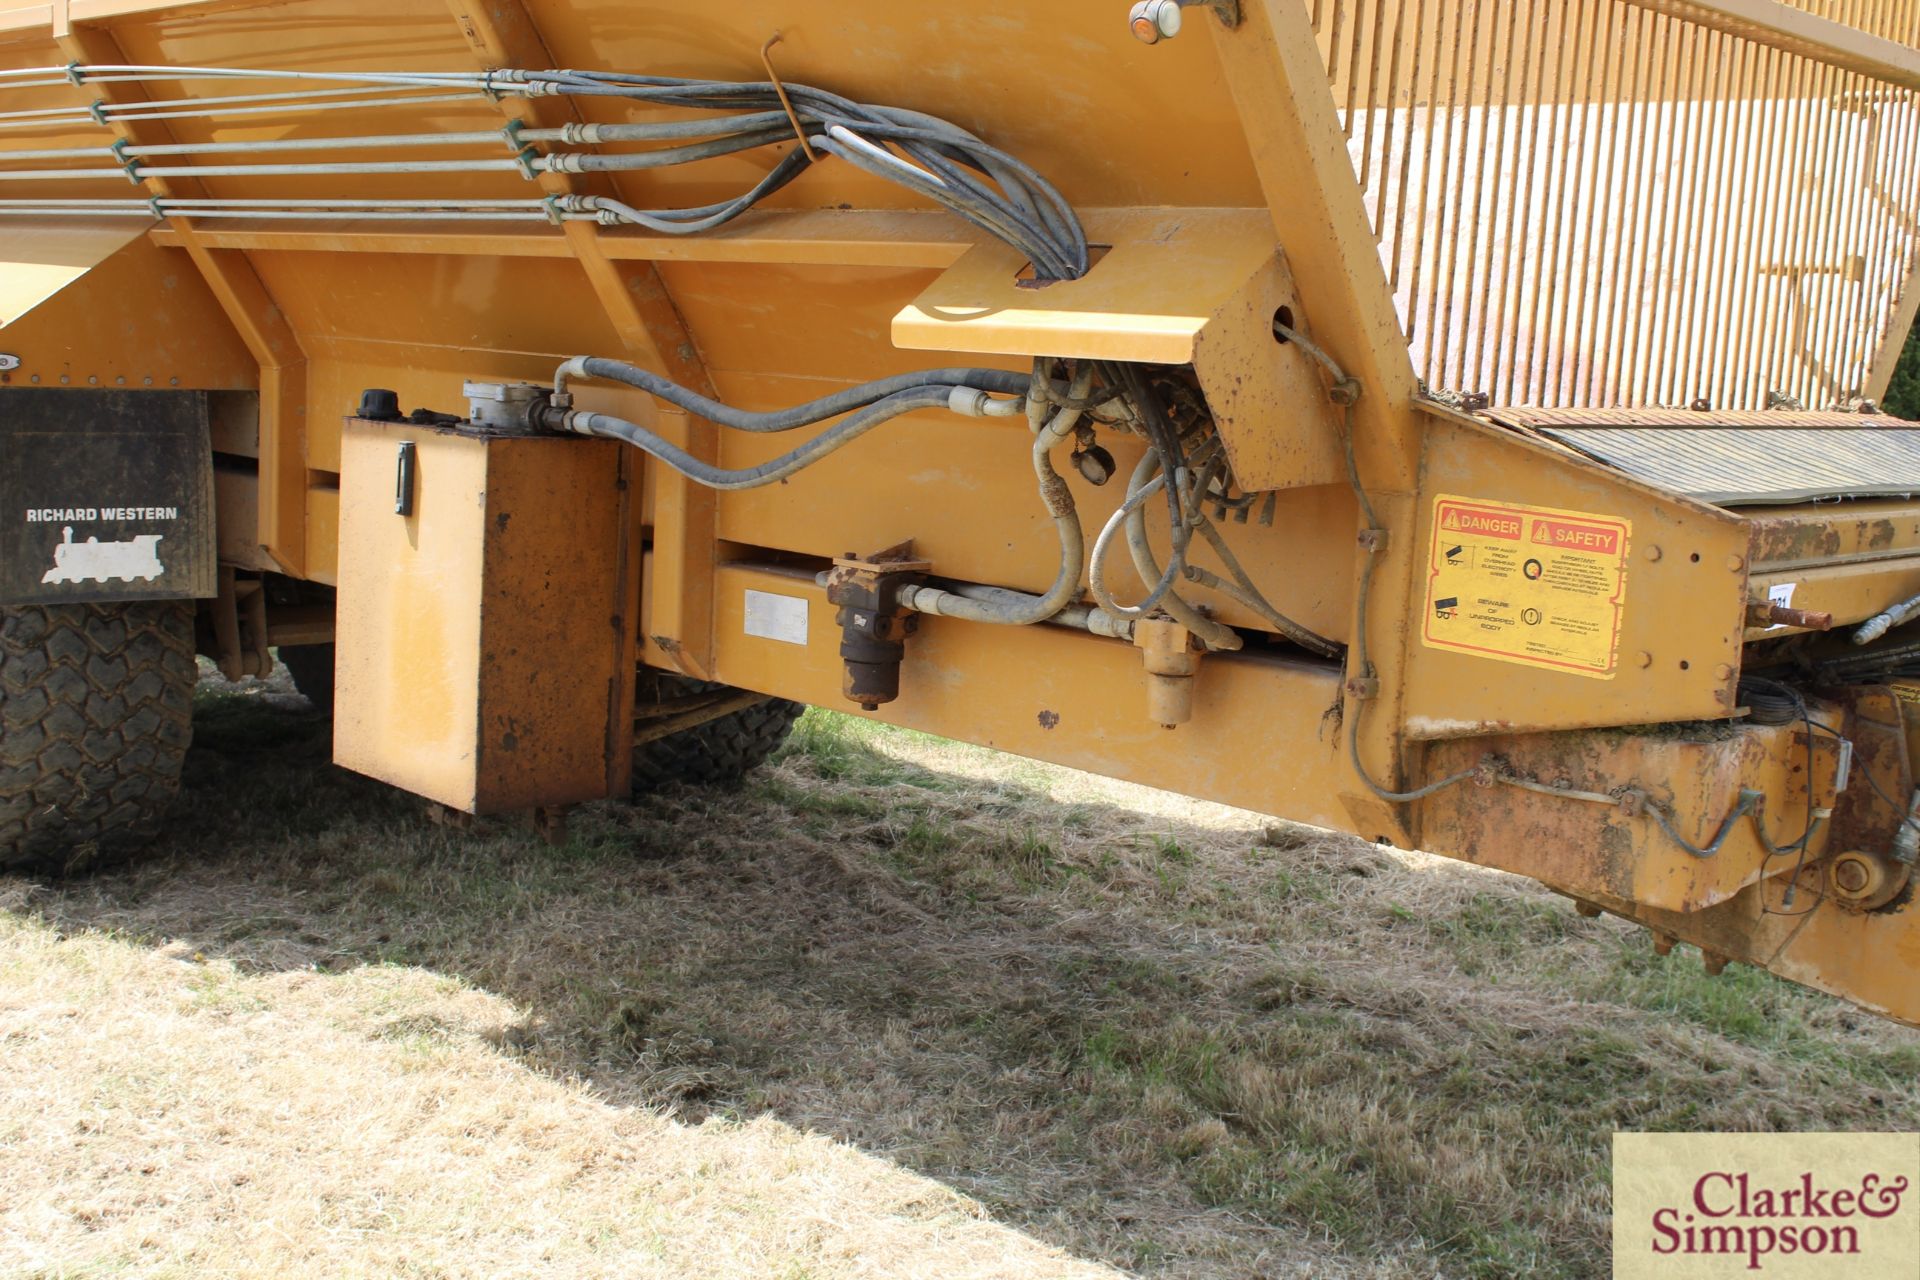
(1532, 585)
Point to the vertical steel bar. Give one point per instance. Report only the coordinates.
(1406, 157)
(1333, 43)
(1519, 216)
(1549, 269)
(1353, 61)
(1680, 220)
(1371, 105)
(1624, 317)
(1806, 159)
(1715, 142)
(1493, 136)
(1604, 217)
(1426, 205)
(1654, 218)
(1762, 130)
(1723, 335)
(1589, 193)
(1485, 359)
(1438, 337)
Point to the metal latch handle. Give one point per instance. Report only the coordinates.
(403, 480)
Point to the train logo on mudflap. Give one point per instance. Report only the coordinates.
(97, 561)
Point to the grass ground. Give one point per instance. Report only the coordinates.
(893, 1007)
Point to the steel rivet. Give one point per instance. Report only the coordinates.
(1646, 659)
(93, 380)
(1653, 552)
(1736, 563)
(1723, 672)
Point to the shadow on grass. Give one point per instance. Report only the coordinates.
(1170, 1047)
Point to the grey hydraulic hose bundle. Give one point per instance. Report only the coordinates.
(866, 407)
(937, 159)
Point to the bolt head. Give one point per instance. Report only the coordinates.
(1652, 553)
(1155, 20)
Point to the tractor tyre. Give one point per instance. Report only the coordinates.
(720, 751)
(96, 712)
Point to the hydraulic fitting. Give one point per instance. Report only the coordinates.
(505, 406)
(874, 625)
(1173, 659)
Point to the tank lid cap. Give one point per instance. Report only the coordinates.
(379, 404)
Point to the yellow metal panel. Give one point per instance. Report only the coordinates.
(1681, 624)
(1065, 696)
(1166, 275)
(89, 305)
(482, 648)
(407, 627)
(997, 531)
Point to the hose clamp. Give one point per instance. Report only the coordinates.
(74, 74)
(551, 205)
(97, 112)
(127, 162)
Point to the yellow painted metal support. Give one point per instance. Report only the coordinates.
(250, 308)
(1299, 151)
(1272, 67)
(503, 34)
(1796, 31)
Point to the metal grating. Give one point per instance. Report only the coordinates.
(1586, 202)
(1737, 466)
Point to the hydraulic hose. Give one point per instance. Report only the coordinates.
(845, 432)
(1015, 608)
(800, 415)
(935, 158)
(1213, 634)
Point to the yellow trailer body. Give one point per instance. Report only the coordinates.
(1518, 363)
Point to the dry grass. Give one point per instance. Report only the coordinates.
(895, 1007)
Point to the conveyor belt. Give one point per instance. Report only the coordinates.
(1747, 465)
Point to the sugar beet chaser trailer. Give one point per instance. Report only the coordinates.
(1450, 423)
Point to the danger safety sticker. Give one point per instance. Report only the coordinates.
(1532, 585)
